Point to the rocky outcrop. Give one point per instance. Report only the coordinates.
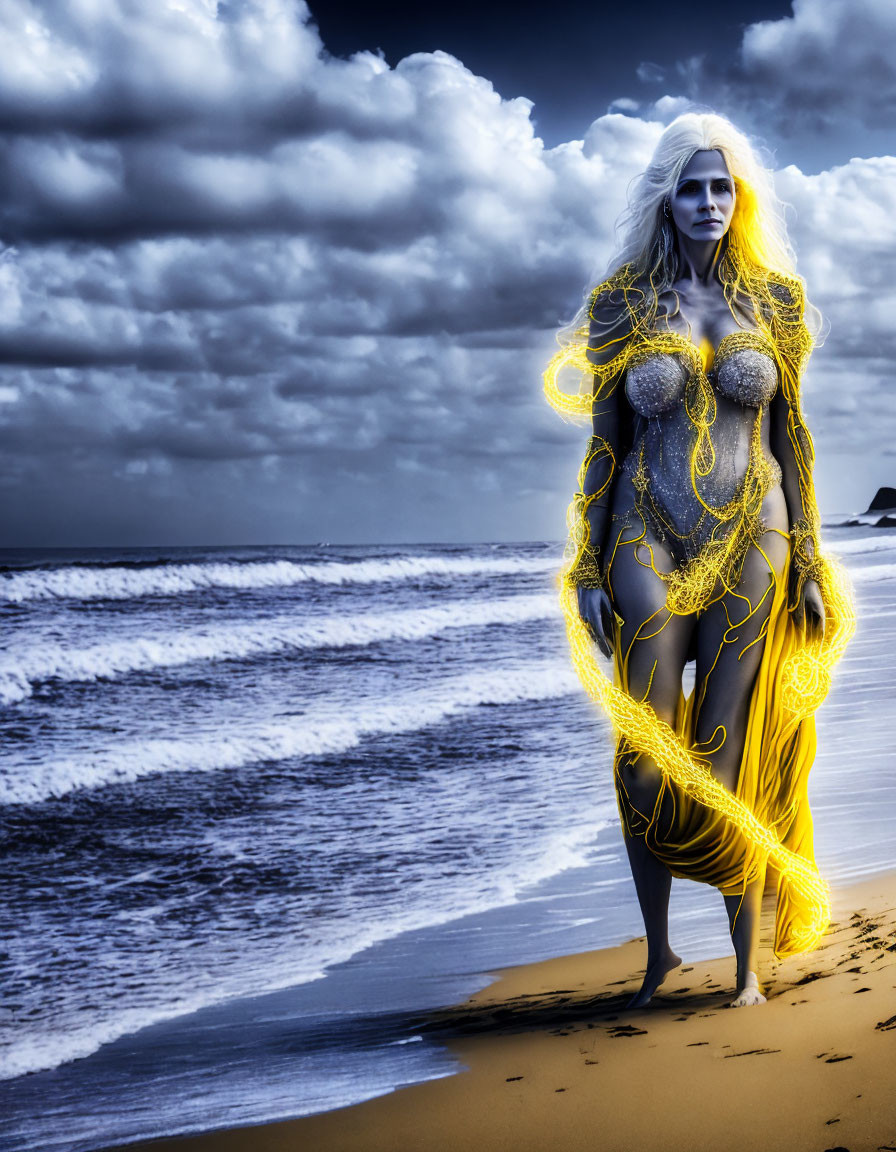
(881, 511)
(884, 500)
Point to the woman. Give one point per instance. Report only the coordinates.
(695, 535)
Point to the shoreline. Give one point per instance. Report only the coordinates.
(544, 1066)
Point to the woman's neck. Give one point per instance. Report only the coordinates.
(699, 260)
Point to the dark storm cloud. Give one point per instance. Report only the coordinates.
(249, 284)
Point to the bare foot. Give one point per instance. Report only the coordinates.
(750, 993)
(653, 977)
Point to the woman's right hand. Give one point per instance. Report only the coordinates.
(597, 612)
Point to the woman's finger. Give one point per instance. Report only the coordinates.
(603, 645)
(606, 617)
(596, 633)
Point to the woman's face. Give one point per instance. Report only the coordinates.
(702, 201)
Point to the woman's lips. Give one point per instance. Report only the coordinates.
(704, 223)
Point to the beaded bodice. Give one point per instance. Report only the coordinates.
(701, 431)
(743, 370)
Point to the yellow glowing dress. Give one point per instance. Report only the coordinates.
(698, 828)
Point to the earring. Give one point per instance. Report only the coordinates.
(667, 208)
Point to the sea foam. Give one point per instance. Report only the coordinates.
(23, 667)
(121, 583)
(317, 733)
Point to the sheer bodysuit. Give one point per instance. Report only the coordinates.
(680, 508)
(682, 505)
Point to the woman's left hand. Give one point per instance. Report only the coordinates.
(809, 612)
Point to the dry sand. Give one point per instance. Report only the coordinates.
(554, 1063)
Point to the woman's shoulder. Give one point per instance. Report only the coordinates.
(786, 291)
(617, 303)
(787, 320)
(613, 312)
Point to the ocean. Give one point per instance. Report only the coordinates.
(262, 808)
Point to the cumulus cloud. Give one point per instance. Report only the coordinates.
(256, 290)
(289, 258)
(845, 231)
(827, 53)
(819, 83)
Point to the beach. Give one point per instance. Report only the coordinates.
(552, 1060)
(270, 812)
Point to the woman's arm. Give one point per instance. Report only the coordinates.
(599, 469)
(589, 515)
(792, 447)
(597, 477)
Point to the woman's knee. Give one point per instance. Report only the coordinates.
(641, 777)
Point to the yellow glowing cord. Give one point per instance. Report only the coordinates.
(806, 673)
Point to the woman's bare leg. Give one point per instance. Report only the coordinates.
(653, 883)
(743, 919)
(730, 643)
(654, 643)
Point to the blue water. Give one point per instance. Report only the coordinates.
(262, 806)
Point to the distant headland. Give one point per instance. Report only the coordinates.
(881, 511)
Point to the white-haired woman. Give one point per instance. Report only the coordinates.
(695, 535)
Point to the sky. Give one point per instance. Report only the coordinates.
(272, 274)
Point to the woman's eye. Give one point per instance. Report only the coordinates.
(691, 187)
